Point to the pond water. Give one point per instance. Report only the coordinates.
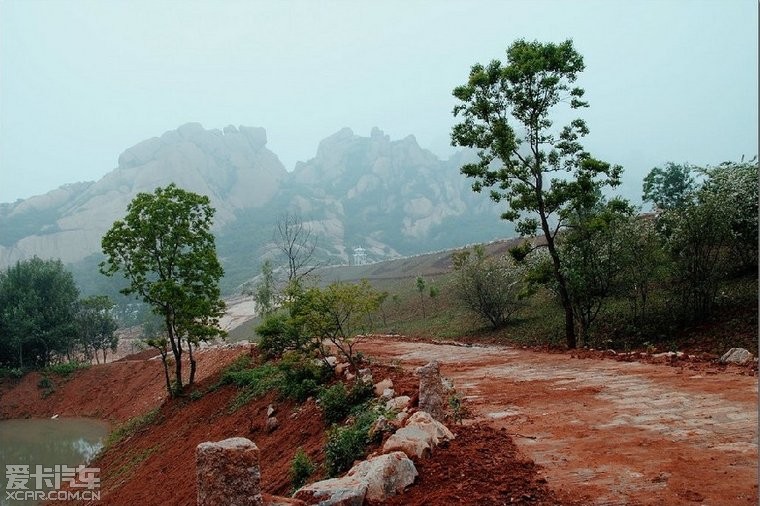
(47, 443)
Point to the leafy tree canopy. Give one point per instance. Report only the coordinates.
(165, 249)
(542, 172)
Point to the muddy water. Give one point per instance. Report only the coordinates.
(47, 443)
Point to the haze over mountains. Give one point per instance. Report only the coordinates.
(391, 197)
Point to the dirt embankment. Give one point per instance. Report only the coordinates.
(156, 465)
(114, 392)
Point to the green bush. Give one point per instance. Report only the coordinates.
(45, 383)
(66, 368)
(337, 402)
(296, 377)
(349, 443)
(301, 469)
(301, 376)
(11, 372)
(334, 403)
(279, 333)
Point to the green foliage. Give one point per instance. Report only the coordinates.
(279, 333)
(420, 284)
(490, 288)
(96, 326)
(133, 426)
(264, 293)
(505, 112)
(45, 383)
(594, 253)
(165, 249)
(66, 368)
(295, 376)
(301, 469)
(669, 187)
(37, 300)
(349, 443)
(11, 372)
(337, 402)
(341, 313)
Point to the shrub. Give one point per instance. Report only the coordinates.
(45, 382)
(337, 402)
(66, 368)
(301, 376)
(334, 402)
(349, 443)
(279, 333)
(301, 469)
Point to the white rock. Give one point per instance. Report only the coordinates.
(381, 386)
(419, 436)
(736, 356)
(397, 403)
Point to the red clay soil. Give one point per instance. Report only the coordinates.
(481, 466)
(112, 392)
(608, 432)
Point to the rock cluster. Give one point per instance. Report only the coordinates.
(375, 479)
(736, 356)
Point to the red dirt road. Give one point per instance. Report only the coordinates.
(612, 432)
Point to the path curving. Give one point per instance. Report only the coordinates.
(617, 432)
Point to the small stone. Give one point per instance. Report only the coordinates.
(397, 403)
(272, 424)
(388, 393)
(270, 411)
(381, 386)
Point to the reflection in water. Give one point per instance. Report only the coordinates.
(63, 441)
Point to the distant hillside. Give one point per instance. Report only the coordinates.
(392, 198)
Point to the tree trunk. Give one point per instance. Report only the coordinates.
(563, 293)
(192, 362)
(176, 345)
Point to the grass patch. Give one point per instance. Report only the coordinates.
(132, 460)
(132, 426)
(295, 377)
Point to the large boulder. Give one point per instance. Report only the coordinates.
(736, 356)
(419, 436)
(432, 392)
(375, 479)
(227, 472)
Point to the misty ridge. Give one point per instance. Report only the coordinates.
(390, 197)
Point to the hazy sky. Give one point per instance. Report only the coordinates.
(80, 81)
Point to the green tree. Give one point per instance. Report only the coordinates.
(341, 313)
(669, 187)
(264, 293)
(96, 327)
(165, 249)
(735, 185)
(594, 251)
(491, 288)
(538, 170)
(420, 284)
(37, 302)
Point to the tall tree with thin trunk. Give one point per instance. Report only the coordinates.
(540, 171)
(297, 245)
(166, 251)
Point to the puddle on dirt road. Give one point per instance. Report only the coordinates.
(47, 443)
